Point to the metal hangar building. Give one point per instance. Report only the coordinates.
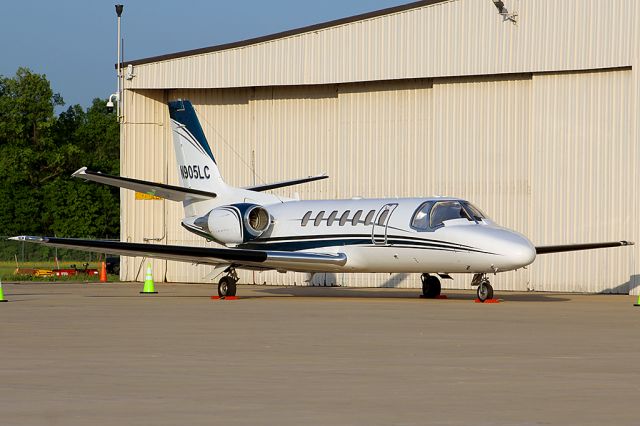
(531, 115)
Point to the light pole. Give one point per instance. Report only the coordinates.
(119, 9)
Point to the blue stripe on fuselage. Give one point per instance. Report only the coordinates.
(304, 243)
(314, 244)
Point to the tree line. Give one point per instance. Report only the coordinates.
(39, 150)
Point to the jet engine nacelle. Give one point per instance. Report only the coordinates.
(236, 223)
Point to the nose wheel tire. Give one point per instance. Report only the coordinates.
(431, 287)
(485, 291)
(226, 287)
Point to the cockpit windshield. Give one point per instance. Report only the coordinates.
(475, 212)
(447, 210)
(433, 214)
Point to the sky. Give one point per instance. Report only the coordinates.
(73, 42)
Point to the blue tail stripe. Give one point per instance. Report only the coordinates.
(182, 111)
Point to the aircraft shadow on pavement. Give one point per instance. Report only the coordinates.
(149, 296)
(37, 294)
(355, 293)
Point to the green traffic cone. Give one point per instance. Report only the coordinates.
(148, 282)
(2, 299)
(637, 304)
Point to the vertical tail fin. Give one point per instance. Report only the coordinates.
(197, 167)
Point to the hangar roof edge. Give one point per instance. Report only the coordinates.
(287, 33)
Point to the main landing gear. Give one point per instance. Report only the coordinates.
(430, 286)
(485, 291)
(227, 284)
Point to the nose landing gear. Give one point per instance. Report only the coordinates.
(227, 284)
(431, 287)
(485, 290)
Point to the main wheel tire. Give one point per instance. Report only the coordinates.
(485, 292)
(226, 287)
(431, 287)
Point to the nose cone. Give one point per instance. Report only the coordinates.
(508, 250)
(516, 250)
(493, 247)
(523, 253)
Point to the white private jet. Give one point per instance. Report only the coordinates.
(434, 236)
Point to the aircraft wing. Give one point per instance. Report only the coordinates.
(283, 184)
(261, 259)
(169, 192)
(577, 247)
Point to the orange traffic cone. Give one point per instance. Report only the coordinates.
(103, 273)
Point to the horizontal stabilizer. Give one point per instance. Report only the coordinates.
(261, 259)
(169, 192)
(283, 184)
(578, 247)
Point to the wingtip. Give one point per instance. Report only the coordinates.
(627, 243)
(27, 238)
(81, 171)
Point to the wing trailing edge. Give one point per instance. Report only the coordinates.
(578, 247)
(262, 259)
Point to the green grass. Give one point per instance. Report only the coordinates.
(8, 268)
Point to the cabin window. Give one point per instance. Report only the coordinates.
(318, 220)
(382, 219)
(305, 218)
(344, 217)
(369, 219)
(356, 218)
(420, 219)
(447, 210)
(332, 217)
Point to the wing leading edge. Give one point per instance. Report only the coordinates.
(286, 183)
(261, 259)
(169, 192)
(578, 247)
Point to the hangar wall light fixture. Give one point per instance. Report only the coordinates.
(506, 15)
(129, 74)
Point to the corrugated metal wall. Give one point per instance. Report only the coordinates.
(553, 156)
(584, 178)
(144, 152)
(454, 38)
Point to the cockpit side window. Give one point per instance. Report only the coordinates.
(447, 210)
(420, 219)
